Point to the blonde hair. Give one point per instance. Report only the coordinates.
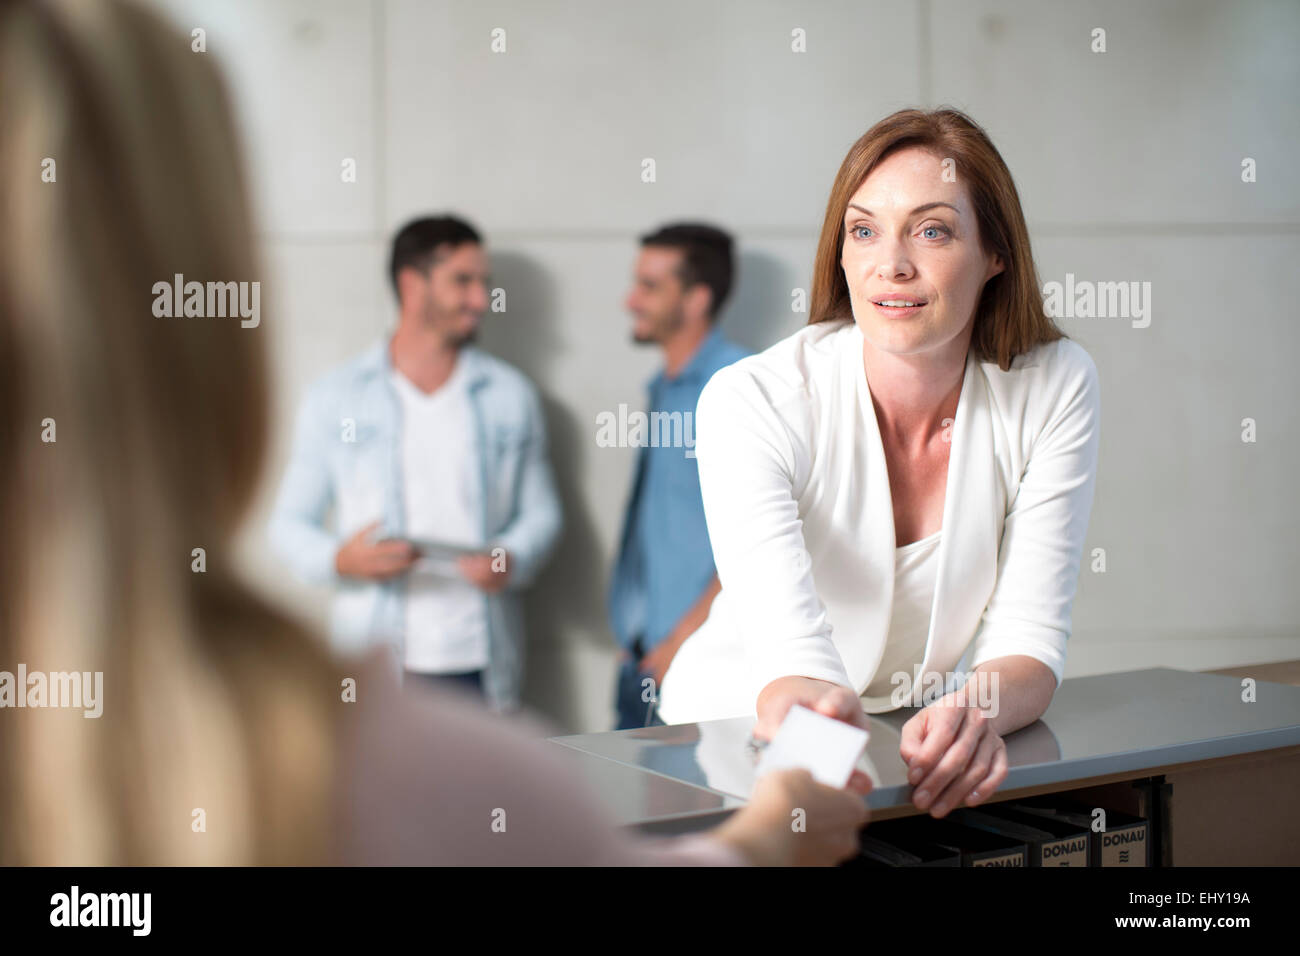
(212, 700)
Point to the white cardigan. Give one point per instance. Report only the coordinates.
(800, 516)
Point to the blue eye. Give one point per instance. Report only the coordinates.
(856, 228)
(938, 229)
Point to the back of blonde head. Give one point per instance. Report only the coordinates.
(212, 701)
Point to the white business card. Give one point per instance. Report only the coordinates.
(827, 748)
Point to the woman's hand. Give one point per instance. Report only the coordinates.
(833, 700)
(792, 820)
(953, 755)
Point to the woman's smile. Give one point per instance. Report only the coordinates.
(899, 306)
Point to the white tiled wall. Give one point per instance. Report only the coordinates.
(304, 73)
(1128, 163)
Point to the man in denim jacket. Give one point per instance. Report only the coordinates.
(432, 456)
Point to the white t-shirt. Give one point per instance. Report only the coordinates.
(915, 566)
(446, 616)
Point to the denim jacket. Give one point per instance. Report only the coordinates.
(347, 456)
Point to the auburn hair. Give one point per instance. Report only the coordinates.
(1009, 317)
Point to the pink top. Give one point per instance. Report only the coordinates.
(428, 778)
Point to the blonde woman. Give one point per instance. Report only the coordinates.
(130, 440)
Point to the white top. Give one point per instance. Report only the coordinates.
(446, 616)
(915, 566)
(796, 494)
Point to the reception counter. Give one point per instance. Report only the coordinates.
(1215, 773)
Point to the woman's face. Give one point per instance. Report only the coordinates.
(910, 236)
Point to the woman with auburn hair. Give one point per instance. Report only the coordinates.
(228, 733)
(905, 483)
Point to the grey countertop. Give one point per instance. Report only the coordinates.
(1126, 722)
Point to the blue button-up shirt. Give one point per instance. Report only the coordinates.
(665, 562)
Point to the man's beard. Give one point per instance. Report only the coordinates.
(661, 330)
(454, 337)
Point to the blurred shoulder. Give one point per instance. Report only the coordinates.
(340, 382)
(364, 365)
(510, 394)
(429, 777)
(499, 372)
(726, 352)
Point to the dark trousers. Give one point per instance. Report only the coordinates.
(471, 681)
(631, 710)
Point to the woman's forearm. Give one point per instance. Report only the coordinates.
(1024, 689)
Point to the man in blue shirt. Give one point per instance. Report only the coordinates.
(665, 581)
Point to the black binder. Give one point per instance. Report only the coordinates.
(976, 847)
(1051, 842)
(902, 850)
